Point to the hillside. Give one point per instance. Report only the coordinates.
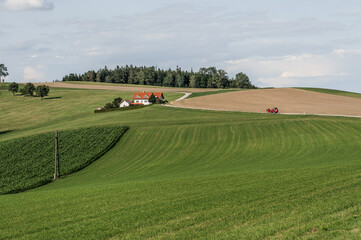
(193, 174)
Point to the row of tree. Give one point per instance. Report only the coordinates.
(29, 89)
(205, 78)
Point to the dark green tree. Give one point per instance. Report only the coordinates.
(242, 81)
(29, 89)
(13, 87)
(169, 79)
(3, 71)
(117, 101)
(194, 81)
(152, 99)
(42, 90)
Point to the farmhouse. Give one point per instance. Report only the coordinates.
(143, 97)
(125, 103)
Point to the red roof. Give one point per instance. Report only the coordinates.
(146, 95)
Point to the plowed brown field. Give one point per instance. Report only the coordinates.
(288, 100)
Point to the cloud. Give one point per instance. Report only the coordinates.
(32, 74)
(296, 70)
(21, 5)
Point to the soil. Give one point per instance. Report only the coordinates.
(288, 100)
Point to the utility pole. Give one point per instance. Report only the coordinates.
(56, 153)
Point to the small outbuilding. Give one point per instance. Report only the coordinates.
(125, 103)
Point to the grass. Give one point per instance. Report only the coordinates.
(334, 92)
(25, 116)
(28, 162)
(199, 94)
(192, 174)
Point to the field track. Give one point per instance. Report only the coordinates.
(130, 88)
(288, 100)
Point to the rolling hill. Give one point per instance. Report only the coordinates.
(192, 174)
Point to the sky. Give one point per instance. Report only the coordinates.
(278, 43)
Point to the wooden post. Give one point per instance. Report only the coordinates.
(56, 164)
(58, 154)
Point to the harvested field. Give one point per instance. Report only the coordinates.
(288, 100)
(122, 87)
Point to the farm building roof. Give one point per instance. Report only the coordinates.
(146, 95)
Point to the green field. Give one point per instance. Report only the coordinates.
(190, 174)
(27, 162)
(334, 92)
(199, 94)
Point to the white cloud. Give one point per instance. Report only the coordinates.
(32, 74)
(21, 5)
(295, 70)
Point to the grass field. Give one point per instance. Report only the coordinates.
(334, 92)
(190, 174)
(199, 94)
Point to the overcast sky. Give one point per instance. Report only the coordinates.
(279, 43)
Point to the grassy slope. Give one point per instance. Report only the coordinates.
(334, 92)
(25, 116)
(199, 94)
(180, 173)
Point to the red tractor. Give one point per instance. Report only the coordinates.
(274, 110)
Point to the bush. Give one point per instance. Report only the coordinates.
(121, 109)
(115, 104)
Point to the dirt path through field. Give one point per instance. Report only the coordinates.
(288, 100)
(124, 88)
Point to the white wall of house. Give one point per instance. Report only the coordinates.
(144, 101)
(124, 104)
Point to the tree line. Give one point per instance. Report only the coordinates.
(205, 78)
(29, 89)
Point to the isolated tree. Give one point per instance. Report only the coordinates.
(3, 71)
(13, 87)
(29, 89)
(152, 99)
(42, 90)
